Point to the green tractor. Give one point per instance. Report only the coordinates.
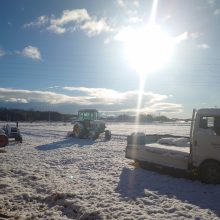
(87, 125)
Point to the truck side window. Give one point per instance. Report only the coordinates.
(203, 123)
(207, 124)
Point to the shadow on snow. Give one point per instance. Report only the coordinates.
(138, 182)
(68, 142)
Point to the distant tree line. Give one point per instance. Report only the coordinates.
(143, 118)
(31, 115)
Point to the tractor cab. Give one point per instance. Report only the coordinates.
(88, 114)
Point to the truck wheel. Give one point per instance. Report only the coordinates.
(108, 135)
(3, 140)
(210, 172)
(78, 131)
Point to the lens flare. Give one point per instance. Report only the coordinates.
(147, 49)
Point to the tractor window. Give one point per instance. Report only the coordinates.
(87, 116)
(80, 117)
(94, 115)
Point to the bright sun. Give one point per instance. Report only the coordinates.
(147, 48)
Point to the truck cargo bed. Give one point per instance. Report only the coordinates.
(153, 152)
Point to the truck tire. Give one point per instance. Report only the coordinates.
(210, 172)
(108, 135)
(3, 140)
(78, 130)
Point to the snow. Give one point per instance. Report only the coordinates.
(50, 176)
(179, 142)
(167, 150)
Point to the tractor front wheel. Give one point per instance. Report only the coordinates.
(78, 131)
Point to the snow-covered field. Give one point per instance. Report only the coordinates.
(50, 176)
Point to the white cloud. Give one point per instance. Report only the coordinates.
(182, 37)
(2, 52)
(110, 97)
(56, 29)
(68, 16)
(217, 11)
(28, 96)
(72, 20)
(203, 46)
(40, 21)
(31, 52)
(115, 101)
(126, 3)
(121, 3)
(99, 95)
(17, 100)
(135, 19)
(164, 107)
(136, 3)
(94, 27)
(53, 87)
(104, 99)
(211, 2)
(195, 35)
(77, 15)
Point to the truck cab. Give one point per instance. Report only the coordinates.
(205, 140)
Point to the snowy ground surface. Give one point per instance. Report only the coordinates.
(50, 176)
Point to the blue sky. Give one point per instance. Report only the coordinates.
(66, 55)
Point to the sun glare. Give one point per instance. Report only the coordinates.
(147, 48)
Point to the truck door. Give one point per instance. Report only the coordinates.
(207, 142)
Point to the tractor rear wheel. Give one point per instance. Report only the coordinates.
(78, 131)
(3, 140)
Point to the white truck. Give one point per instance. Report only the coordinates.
(201, 153)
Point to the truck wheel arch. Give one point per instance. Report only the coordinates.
(209, 171)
